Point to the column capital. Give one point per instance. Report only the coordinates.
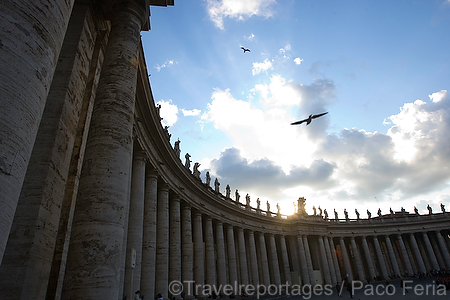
(140, 155)
(164, 187)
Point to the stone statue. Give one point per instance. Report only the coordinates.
(176, 148)
(187, 164)
(301, 205)
(430, 210)
(237, 195)
(357, 213)
(403, 211)
(416, 211)
(216, 185)
(336, 216)
(158, 111)
(258, 205)
(228, 191)
(379, 212)
(208, 179)
(320, 211)
(314, 209)
(268, 207)
(391, 211)
(278, 209)
(346, 213)
(196, 172)
(369, 215)
(443, 208)
(325, 213)
(247, 200)
(166, 130)
(295, 207)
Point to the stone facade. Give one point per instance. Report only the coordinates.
(95, 201)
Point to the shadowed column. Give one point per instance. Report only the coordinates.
(444, 249)
(335, 260)
(431, 254)
(199, 264)
(405, 255)
(303, 263)
(392, 256)
(162, 242)
(330, 260)
(358, 262)
(264, 262)
(323, 258)
(417, 253)
(380, 257)
(231, 256)
(175, 241)
(368, 258)
(242, 256)
(187, 253)
(285, 259)
(221, 259)
(274, 260)
(312, 279)
(253, 258)
(209, 253)
(348, 268)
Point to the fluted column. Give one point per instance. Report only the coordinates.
(149, 235)
(431, 254)
(274, 260)
(29, 57)
(242, 256)
(330, 260)
(368, 258)
(335, 261)
(444, 249)
(209, 249)
(405, 255)
(221, 262)
(347, 266)
(303, 263)
(175, 240)
(285, 259)
(187, 253)
(323, 259)
(162, 241)
(392, 256)
(358, 262)
(309, 265)
(417, 253)
(253, 258)
(231, 255)
(264, 262)
(135, 225)
(199, 265)
(380, 257)
(100, 208)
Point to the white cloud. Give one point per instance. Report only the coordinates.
(190, 113)
(438, 96)
(262, 66)
(250, 37)
(298, 60)
(285, 49)
(168, 112)
(237, 9)
(164, 65)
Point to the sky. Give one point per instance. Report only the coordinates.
(381, 69)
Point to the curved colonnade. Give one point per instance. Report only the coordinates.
(99, 204)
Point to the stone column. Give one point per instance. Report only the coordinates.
(405, 255)
(264, 262)
(175, 240)
(285, 259)
(444, 249)
(274, 260)
(368, 258)
(209, 249)
(135, 225)
(358, 262)
(29, 57)
(149, 235)
(323, 259)
(100, 209)
(348, 268)
(303, 264)
(335, 261)
(417, 253)
(309, 265)
(231, 256)
(431, 254)
(330, 260)
(380, 257)
(162, 242)
(199, 265)
(221, 259)
(187, 254)
(253, 258)
(242, 256)
(392, 256)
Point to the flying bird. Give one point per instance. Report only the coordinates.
(309, 119)
(245, 50)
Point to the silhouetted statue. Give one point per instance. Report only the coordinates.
(325, 213)
(430, 210)
(227, 191)
(416, 211)
(166, 130)
(258, 204)
(247, 200)
(196, 172)
(295, 207)
(208, 179)
(216, 186)
(278, 209)
(391, 211)
(314, 209)
(176, 148)
(369, 215)
(320, 211)
(268, 207)
(443, 208)
(346, 214)
(357, 213)
(237, 195)
(379, 212)
(336, 216)
(403, 211)
(158, 111)
(187, 164)
(301, 205)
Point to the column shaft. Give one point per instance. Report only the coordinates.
(380, 257)
(231, 256)
(309, 265)
(405, 255)
(199, 265)
(264, 262)
(335, 261)
(175, 240)
(348, 268)
(187, 253)
(417, 253)
(330, 260)
(358, 261)
(253, 258)
(209, 249)
(242, 256)
(392, 256)
(324, 261)
(431, 254)
(162, 242)
(368, 258)
(274, 260)
(443, 247)
(285, 259)
(303, 264)
(221, 259)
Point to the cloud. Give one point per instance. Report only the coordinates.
(250, 37)
(285, 49)
(169, 112)
(298, 60)
(164, 65)
(192, 112)
(237, 9)
(263, 66)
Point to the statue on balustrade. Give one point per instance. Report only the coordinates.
(403, 211)
(301, 206)
(320, 211)
(295, 207)
(237, 196)
(357, 213)
(336, 216)
(196, 172)
(187, 164)
(416, 211)
(227, 191)
(314, 209)
(216, 186)
(208, 179)
(258, 205)
(247, 200)
(430, 210)
(176, 148)
(166, 131)
(268, 207)
(278, 209)
(443, 208)
(391, 211)
(325, 213)
(158, 111)
(346, 214)
(379, 212)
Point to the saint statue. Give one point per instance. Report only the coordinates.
(196, 172)
(357, 213)
(208, 179)
(430, 210)
(416, 211)
(320, 211)
(228, 191)
(443, 208)
(325, 213)
(247, 200)
(314, 209)
(268, 206)
(369, 215)
(237, 195)
(336, 216)
(258, 204)
(176, 148)
(216, 186)
(379, 212)
(187, 164)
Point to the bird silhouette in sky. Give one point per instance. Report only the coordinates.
(245, 50)
(309, 119)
